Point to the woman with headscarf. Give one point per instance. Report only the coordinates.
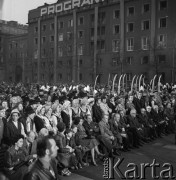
(39, 118)
(66, 114)
(56, 115)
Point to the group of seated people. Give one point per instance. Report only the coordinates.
(82, 127)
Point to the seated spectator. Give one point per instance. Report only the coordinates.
(108, 135)
(96, 110)
(29, 122)
(86, 141)
(39, 119)
(56, 115)
(79, 150)
(119, 132)
(136, 126)
(14, 128)
(45, 168)
(29, 146)
(65, 154)
(15, 160)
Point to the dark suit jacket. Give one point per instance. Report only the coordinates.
(105, 129)
(38, 172)
(97, 113)
(11, 132)
(133, 122)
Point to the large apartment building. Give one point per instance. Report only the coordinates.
(9, 30)
(75, 40)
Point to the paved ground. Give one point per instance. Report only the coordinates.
(162, 150)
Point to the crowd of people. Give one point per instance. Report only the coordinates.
(48, 131)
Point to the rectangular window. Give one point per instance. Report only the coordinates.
(70, 23)
(161, 58)
(146, 25)
(163, 4)
(130, 27)
(116, 14)
(81, 21)
(36, 54)
(36, 41)
(60, 51)
(52, 26)
(130, 44)
(69, 35)
(116, 29)
(130, 11)
(43, 52)
(145, 43)
(99, 61)
(43, 39)
(80, 49)
(163, 22)
(51, 38)
(115, 45)
(101, 17)
(44, 27)
(146, 8)
(61, 24)
(129, 60)
(103, 30)
(162, 40)
(101, 45)
(80, 62)
(145, 60)
(60, 37)
(69, 49)
(80, 34)
(35, 29)
(92, 18)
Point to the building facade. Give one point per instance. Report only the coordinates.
(76, 40)
(9, 30)
(17, 62)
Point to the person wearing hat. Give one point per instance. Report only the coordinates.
(96, 110)
(111, 103)
(14, 127)
(29, 123)
(2, 116)
(104, 106)
(15, 160)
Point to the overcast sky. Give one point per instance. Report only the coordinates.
(18, 9)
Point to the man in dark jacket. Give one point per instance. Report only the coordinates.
(45, 168)
(97, 112)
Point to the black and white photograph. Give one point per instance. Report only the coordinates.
(87, 89)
